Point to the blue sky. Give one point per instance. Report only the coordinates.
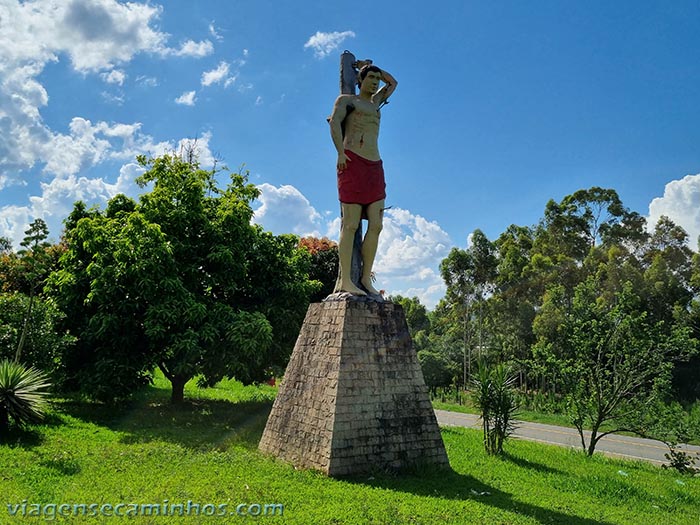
(500, 107)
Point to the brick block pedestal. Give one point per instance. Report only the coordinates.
(353, 398)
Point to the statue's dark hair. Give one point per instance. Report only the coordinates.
(363, 72)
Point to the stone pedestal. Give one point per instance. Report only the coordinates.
(353, 398)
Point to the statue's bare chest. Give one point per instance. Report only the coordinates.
(365, 112)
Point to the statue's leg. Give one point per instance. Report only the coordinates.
(352, 214)
(375, 213)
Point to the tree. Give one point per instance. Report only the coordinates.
(416, 314)
(35, 245)
(181, 280)
(457, 271)
(436, 370)
(615, 362)
(324, 264)
(588, 218)
(5, 246)
(469, 276)
(512, 305)
(45, 342)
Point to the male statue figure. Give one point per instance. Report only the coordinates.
(361, 187)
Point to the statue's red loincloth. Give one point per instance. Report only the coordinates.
(362, 180)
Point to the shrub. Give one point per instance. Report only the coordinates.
(23, 393)
(495, 397)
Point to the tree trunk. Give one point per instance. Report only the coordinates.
(593, 441)
(177, 382)
(177, 395)
(4, 421)
(25, 326)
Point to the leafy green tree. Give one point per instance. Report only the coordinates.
(35, 246)
(415, 312)
(686, 374)
(588, 218)
(181, 280)
(5, 246)
(324, 264)
(278, 286)
(469, 276)
(444, 338)
(437, 370)
(615, 362)
(45, 343)
(116, 279)
(512, 305)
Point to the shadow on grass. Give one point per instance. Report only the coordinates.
(531, 465)
(448, 484)
(197, 423)
(28, 437)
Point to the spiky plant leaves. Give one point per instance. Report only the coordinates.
(23, 393)
(494, 395)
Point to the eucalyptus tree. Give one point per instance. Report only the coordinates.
(470, 277)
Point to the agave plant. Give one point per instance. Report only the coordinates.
(23, 393)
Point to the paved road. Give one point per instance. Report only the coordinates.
(612, 444)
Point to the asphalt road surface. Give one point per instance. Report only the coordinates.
(613, 444)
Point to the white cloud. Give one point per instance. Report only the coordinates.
(409, 254)
(113, 98)
(187, 98)
(116, 76)
(53, 205)
(258, 101)
(216, 75)
(85, 141)
(681, 204)
(14, 221)
(409, 242)
(89, 144)
(324, 44)
(96, 35)
(146, 81)
(287, 210)
(214, 32)
(193, 49)
(22, 132)
(68, 154)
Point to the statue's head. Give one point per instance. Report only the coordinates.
(364, 71)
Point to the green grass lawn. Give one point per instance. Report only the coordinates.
(205, 452)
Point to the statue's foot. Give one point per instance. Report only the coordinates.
(367, 283)
(351, 288)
